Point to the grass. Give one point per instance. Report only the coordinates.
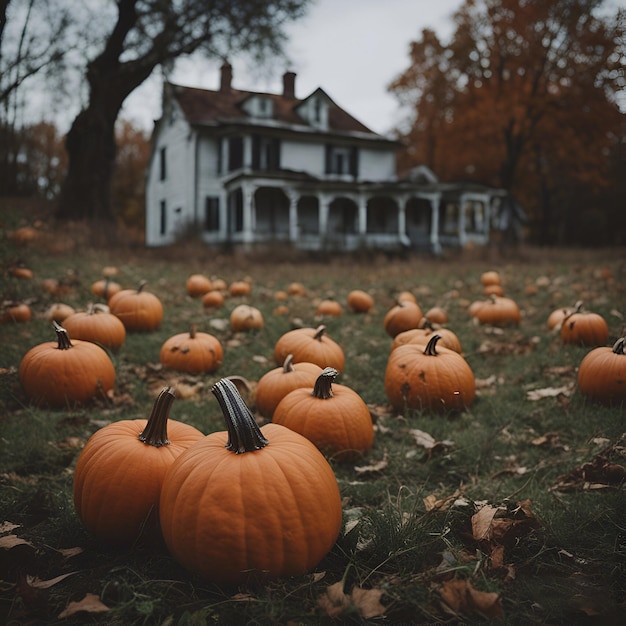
(408, 540)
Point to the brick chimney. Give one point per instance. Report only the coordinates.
(289, 85)
(226, 76)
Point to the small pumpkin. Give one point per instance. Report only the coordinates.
(584, 328)
(428, 378)
(402, 316)
(62, 372)
(360, 301)
(490, 277)
(423, 334)
(334, 417)
(119, 472)
(138, 309)
(312, 345)
(498, 311)
(98, 325)
(493, 290)
(105, 288)
(59, 312)
(274, 385)
(240, 288)
(249, 504)
(197, 285)
(16, 312)
(192, 352)
(213, 299)
(296, 289)
(556, 317)
(245, 317)
(602, 374)
(437, 315)
(329, 307)
(406, 296)
(21, 272)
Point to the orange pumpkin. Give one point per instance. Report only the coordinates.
(22, 272)
(437, 314)
(556, 317)
(119, 473)
(62, 372)
(197, 285)
(360, 301)
(274, 385)
(335, 418)
(240, 288)
(213, 299)
(329, 307)
(296, 289)
(16, 312)
(490, 277)
(98, 325)
(192, 352)
(59, 312)
(245, 317)
(602, 374)
(498, 311)
(105, 288)
(427, 378)
(312, 345)
(138, 309)
(402, 316)
(236, 510)
(584, 328)
(422, 336)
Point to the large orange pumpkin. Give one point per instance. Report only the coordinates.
(274, 385)
(334, 417)
(360, 301)
(138, 309)
(584, 328)
(249, 504)
(197, 285)
(62, 372)
(498, 311)
(428, 378)
(119, 473)
(402, 316)
(602, 374)
(312, 345)
(192, 352)
(96, 324)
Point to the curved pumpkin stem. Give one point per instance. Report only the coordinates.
(426, 324)
(619, 346)
(244, 434)
(63, 339)
(155, 432)
(319, 332)
(323, 388)
(288, 364)
(142, 284)
(431, 346)
(192, 331)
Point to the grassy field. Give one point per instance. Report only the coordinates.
(512, 511)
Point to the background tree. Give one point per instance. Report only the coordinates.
(524, 97)
(144, 35)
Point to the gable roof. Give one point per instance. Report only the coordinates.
(204, 106)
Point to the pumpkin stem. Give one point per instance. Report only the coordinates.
(244, 434)
(192, 331)
(323, 385)
(288, 364)
(619, 346)
(319, 332)
(63, 339)
(430, 348)
(155, 432)
(142, 284)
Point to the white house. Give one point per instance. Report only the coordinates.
(248, 168)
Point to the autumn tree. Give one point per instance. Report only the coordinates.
(146, 34)
(524, 97)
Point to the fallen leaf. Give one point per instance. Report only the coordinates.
(10, 541)
(372, 468)
(6, 527)
(334, 601)
(37, 583)
(367, 601)
(550, 392)
(460, 598)
(89, 604)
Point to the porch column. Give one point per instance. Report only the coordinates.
(324, 202)
(401, 202)
(247, 152)
(293, 197)
(362, 219)
(435, 201)
(247, 192)
(461, 208)
(224, 155)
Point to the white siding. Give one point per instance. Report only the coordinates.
(376, 165)
(303, 157)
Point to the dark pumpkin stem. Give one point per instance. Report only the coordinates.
(426, 324)
(288, 364)
(63, 338)
(142, 284)
(192, 331)
(155, 432)
(323, 385)
(319, 332)
(431, 346)
(244, 434)
(619, 346)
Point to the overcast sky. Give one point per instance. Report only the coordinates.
(352, 49)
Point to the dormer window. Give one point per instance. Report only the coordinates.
(259, 106)
(314, 109)
(317, 111)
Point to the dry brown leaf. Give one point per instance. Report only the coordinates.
(367, 601)
(89, 604)
(37, 583)
(460, 598)
(482, 521)
(6, 527)
(10, 541)
(597, 474)
(334, 601)
(428, 442)
(68, 553)
(372, 468)
(550, 392)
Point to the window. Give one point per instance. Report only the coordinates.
(342, 160)
(162, 164)
(235, 153)
(265, 153)
(163, 218)
(212, 213)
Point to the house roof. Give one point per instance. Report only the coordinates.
(204, 106)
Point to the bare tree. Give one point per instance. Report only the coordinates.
(147, 34)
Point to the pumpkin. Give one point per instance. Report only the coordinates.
(105, 288)
(245, 317)
(119, 472)
(329, 307)
(335, 418)
(16, 312)
(197, 285)
(498, 311)
(213, 299)
(59, 312)
(274, 385)
(406, 296)
(423, 334)
(493, 290)
(219, 284)
(281, 295)
(556, 317)
(24, 235)
(402, 316)
(192, 352)
(312, 345)
(437, 314)
(22, 272)
(98, 325)
(584, 328)
(490, 277)
(138, 309)
(249, 504)
(360, 301)
(428, 378)
(602, 374)
(62, 372)
(296, 289)
(240, 288)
